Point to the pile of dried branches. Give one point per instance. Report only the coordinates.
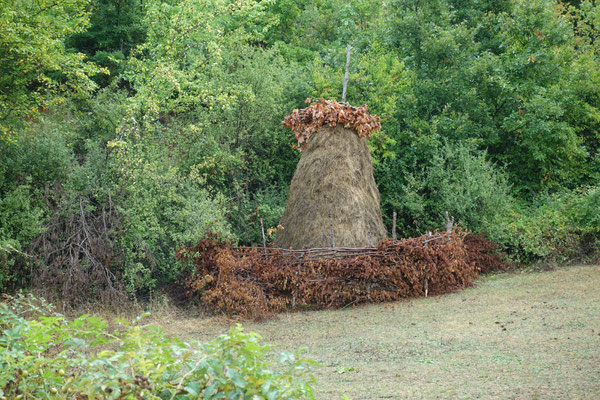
(77, 255)
(484, 254)
(256, 282)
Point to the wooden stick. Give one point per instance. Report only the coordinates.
(262, 228)
(346, 74)
(431, 238)
(449, 225)
(426, 283)
(394, 237)
(331, 231)
(329, 250)
(370, 243)
(315, 249)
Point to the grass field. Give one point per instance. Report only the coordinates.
(533, 335)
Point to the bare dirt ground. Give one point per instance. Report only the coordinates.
(533, 335)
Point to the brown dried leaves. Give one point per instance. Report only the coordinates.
(246, 282)
(308, 120)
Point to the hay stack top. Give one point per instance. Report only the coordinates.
(306, 121)
(333, 189)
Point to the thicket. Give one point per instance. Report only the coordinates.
(256, 282)
(45, 355)
(166, 116)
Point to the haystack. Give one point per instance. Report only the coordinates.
(334, 178)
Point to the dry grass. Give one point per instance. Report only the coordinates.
(532, 335)
(334, 178)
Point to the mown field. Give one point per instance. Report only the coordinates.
(526, 335)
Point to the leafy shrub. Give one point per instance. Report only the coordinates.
(161, 208)
(49, 356)
(21, 219)
(31, 165)
(268, 204)
(583, 210)
(461, 181)
(561, 227)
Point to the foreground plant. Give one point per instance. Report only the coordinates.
(43, 355)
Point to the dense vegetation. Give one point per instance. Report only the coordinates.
(129, 128)
(45, 355)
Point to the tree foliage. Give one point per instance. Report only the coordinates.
(488, 109)
(36, 70)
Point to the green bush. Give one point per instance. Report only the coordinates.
(48, 356)
(31, 166)
(585, 211)
(20, 220)
(461, 181)
(561, 227)
(162, 209)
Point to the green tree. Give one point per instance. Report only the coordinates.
(115, 28)
(507, 76)
(207, 93)
(36, 70)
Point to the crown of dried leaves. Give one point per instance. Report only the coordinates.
(306, 121)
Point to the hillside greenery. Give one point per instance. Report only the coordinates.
(129, 128)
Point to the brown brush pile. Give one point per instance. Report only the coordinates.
(256, 282)
(78, 256)
(484, 254)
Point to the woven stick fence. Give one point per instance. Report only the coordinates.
(321, 252)
(333, 251)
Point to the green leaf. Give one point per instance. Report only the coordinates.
(193, 388)
(210, 389)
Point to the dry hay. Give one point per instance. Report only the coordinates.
(334, 178)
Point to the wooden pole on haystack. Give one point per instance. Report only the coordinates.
(394, 237)
(426, 282)
(346, 74)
